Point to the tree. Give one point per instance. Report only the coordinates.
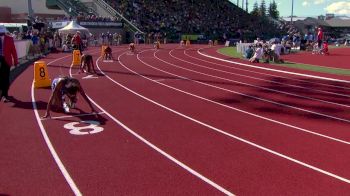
(273, 12)
(255, 11)
(262, 8)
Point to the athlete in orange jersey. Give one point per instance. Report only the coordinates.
(132, 47)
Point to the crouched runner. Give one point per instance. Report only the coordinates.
(64, 94)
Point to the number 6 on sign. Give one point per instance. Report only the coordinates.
(91, 127)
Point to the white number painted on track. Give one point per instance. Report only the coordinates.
(91, 127)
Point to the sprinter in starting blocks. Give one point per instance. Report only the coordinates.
(107, 54)
(182, 43)
(132, 47)
(157, 45)
(210, 43)
(188, 43)
(64, 95)
(87, 64)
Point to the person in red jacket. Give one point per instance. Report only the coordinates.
(319, 37)
(77, 42)
(8, 58)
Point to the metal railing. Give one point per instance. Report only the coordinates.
(115, 13)
(68, 9)
(73, 7)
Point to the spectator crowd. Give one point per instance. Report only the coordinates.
(214, 19)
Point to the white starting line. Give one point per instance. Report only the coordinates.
(71, 116)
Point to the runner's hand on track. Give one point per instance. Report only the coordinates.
(47, 115)
(93, 111)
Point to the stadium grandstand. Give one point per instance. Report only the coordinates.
(150, 20)
(172, 19)
(211, 19)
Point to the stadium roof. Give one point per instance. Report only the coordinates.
(314, 21)
(343, 17)
(296, 18)
(336, 22)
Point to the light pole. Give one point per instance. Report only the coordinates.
(30, 9)
(291, 17)
(246, 5)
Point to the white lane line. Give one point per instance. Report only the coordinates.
(89, 77)
(266, 74)
(319, 66)
(243, 111)
(221, 131)
(54, 154)
(260, 79)
(52, 150)
(171, 158)
(265, 118)
(269, 89)
(71, 116)
(274, 70)
(160, 80)
(258, 98)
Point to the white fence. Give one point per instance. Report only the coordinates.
(242, 47)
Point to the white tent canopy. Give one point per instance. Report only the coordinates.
(73, 27)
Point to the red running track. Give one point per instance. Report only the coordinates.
(338, 58)
(179, 121)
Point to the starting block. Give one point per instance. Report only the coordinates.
(108, 61)
(76, 58)
(41, 76)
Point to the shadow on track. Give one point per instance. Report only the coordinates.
(310, 90)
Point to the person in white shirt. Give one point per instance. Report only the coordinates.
(276, 48)
(257, 55)
(65, 48)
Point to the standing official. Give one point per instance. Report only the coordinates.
(8, 58)
(319, 37)
(77, 42)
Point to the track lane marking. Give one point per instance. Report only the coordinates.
(265, 74)
(265, 80)
(54, 154)
(239, 110)
(70, 116)
(160, 80)
(221, 131)
(274, 70)
(52, 150)
(252, 85)
(168, 156)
